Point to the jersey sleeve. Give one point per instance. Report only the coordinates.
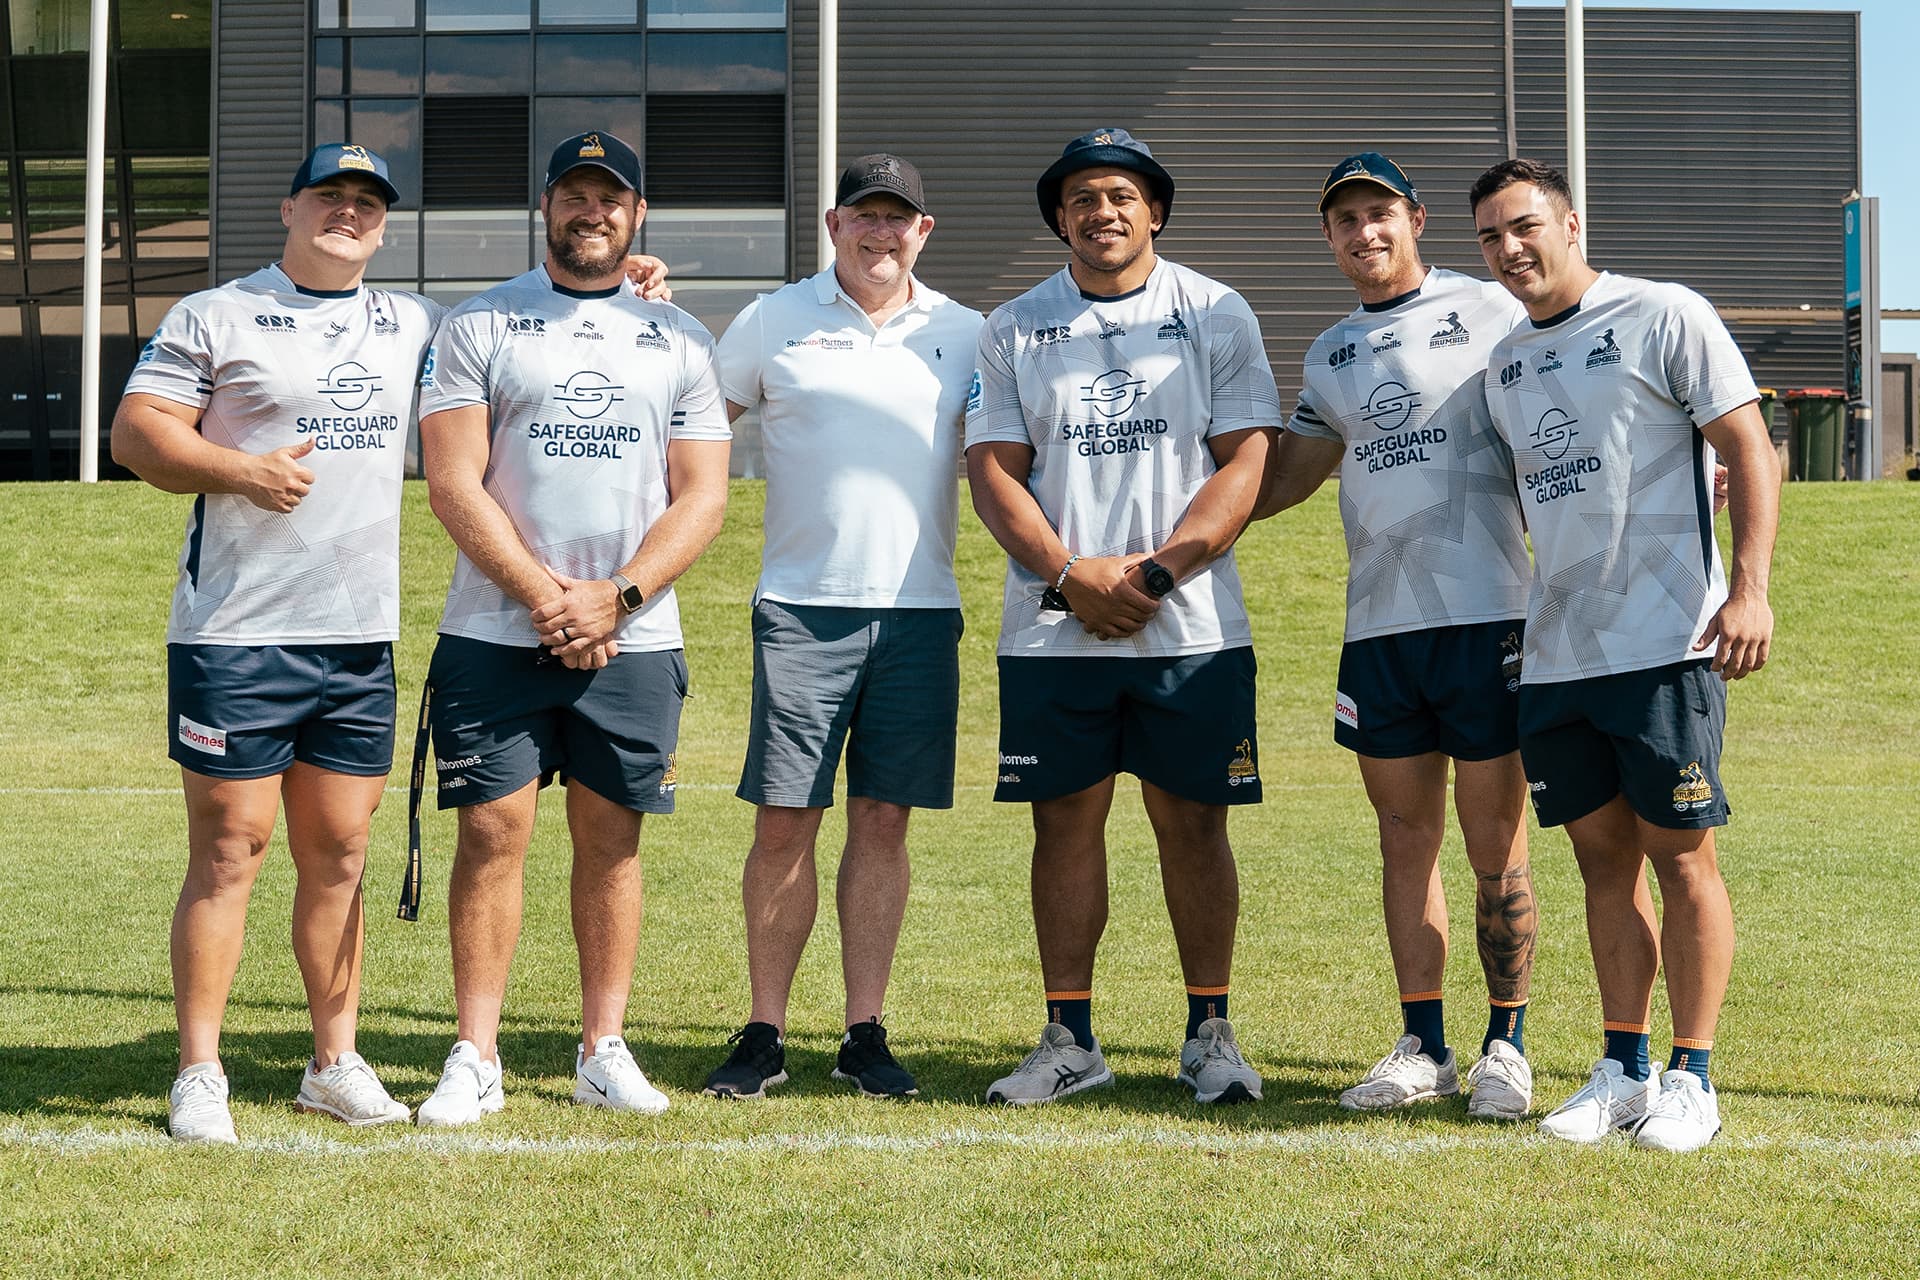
(177, 362)
(994, 412)
(1704, 367)
(740, 355)
(456, 372)
(700, 412)
(1244, 394)
(1308, 419)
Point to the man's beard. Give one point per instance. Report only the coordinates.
(582, 262)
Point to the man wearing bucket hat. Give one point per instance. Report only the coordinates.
(1436, 608)
(576, 450)
(283, 400)
(1117, 437)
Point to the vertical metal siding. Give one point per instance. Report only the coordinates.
(259, 126)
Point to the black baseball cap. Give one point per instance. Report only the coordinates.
(880, 174)
(331, 159)
(600, 149)
(1368, 166)
(1108, 148)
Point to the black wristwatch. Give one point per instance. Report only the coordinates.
(630, 597)
(1159, 582)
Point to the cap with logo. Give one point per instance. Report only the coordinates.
(1103, 149)
(331, 159)
(877, 175)
(600, 149)
(1368, 166)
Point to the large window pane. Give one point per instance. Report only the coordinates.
(168, 99)
(50, 104)
(479, 15)
(329, 66)
(479, 64)
(386, 65)
(169, 206)
(50, 26)
(590, 64)
(329, 122)
(557, 118)
(391, 128)
(717, 13)
(717, 62)
(165, 24)
(583, 13)
(398, 261)
(484, 242)
(730, 244)
(56, 209)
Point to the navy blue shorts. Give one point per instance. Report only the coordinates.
(502, 718)
(250, 711)
(1184, 724)
(882, 683)
(1449, 689)
(1652, 736)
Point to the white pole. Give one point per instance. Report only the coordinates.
(829, 122)
(95, 230)
(1577, 117)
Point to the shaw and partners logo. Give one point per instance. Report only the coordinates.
(1390, 406)
(588, 393)
(1113, 393)
(349, 385)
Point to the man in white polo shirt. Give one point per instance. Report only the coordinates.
(861, 374)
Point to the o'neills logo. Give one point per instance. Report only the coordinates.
(203, 738)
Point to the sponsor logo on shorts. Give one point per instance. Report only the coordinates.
(1009, 777)
(1510, 660)
(448, 766)
(671, 778)
(1694, 791)
(208, 740)
(1242, 768)
(1007, 759)
(1536, 787)
(1345, 710)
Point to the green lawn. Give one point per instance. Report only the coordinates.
(1815, 1174)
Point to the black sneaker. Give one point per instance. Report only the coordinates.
(866, 1060)
(757, 1063)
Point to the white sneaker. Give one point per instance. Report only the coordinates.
(1502, 1084)
(1056, 1068)
(468, 1090)
(611, 1078)
(1211, 1065)
(348, 1090)
(1685, 1117)
(197, 1106)
(1608, 1101)
(1405, 1076)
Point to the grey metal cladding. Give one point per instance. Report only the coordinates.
(1248, 105)
(259, 127)
(1719, 148)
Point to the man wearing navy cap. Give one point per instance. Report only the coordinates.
(576, 449)
(1436, 608)
(1117, 437)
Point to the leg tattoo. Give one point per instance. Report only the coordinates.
(1504, 925)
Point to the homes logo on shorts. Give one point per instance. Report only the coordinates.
(205, 739)
(1242, 768)
(447, 772)
(671, 777)
(526, 327)
(1113, 393)
(651, 337)
(1390, 405)
(588, 393)
(1008, 761)
(1549, 362)
(1175, 329)
(1452, 333)
(1608, 352)
(1108, 329)
(349, 385)
(1694, 791)
(1387, 342)
(276, 324)
(1510, 660)
(1346, 710)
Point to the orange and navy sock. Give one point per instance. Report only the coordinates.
(1074, 1011)
(1420, 1015)
(1506, 1021)
(1204, 1003)
(1627, 1045)
(1691, 1055)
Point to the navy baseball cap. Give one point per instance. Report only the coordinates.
(598, 148)
(1368, 166)
(880, 174)
(1103, 149)
(331, 159)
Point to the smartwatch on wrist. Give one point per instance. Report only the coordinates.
(1159, 582)
(630, 598)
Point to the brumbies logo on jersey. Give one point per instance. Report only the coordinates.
(1175, 329)
(1452, 333)
(1608, 352)
(589, 393)
(1113, 392)
(349, 385)
(651, 337)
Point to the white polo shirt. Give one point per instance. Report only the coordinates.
(861, 427)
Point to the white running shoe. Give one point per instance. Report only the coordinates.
(197, 1106)
(1502, 1084)
(1405, 1076)
(1211, 1065)
(611, 1078)
(348, 1090)
(468, 1090)
(1608, 1101)
(1685, 1117)
(1056, 1068)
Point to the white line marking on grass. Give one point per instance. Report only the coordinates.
(1357, 1140)
(684, 786)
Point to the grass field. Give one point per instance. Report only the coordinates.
(1818, 1056)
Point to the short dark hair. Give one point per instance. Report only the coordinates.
(1510, 173)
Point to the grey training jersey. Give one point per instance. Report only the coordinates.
(1603, 410)
(269, 365)
(1118, 398)
(1434, 537)
(585, 394)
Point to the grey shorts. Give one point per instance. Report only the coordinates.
(250, 711)
(882, 683)
(502, 718)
